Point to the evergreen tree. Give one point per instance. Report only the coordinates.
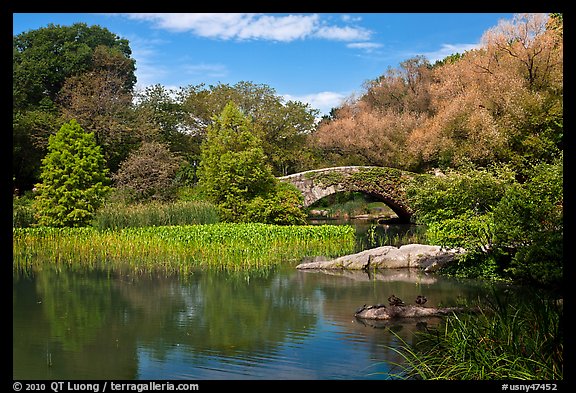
(74, 178)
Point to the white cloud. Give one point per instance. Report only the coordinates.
(346, 33)
(366, 46)
(239, 26)
(210, 70)
(147, 70)
(447, 50)
(323, 101)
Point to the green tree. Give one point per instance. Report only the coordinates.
(161, 108)
(42, 61)
(233, 167)
(282, 126)
(74, 178)
(44, 58)
(101, 102)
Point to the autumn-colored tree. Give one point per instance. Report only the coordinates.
(373, 129)
(100, 101)
(148, 173)
(502, 102)
(363, 136)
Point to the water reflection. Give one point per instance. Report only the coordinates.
(280, 325)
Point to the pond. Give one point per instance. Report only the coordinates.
(286, 324)
(274, 325)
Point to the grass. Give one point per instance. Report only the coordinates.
(178, 249)
(120, 215)
(508, 340)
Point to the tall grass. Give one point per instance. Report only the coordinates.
(120, 215)
(180, 249)
(508, 340)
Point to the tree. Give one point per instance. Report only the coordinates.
(101, 101)
(233, 167)
(43, 60)
(282, 127)
(74, 178)
(500, 103)
(161, 109)
(373, 129)
(148, 173)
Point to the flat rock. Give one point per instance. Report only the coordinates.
(422, 256)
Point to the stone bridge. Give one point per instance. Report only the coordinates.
(385, 184)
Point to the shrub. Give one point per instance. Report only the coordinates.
(148, 173)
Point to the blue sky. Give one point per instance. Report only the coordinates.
(318, 58)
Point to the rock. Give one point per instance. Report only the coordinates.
(426, 257)
(381, 312)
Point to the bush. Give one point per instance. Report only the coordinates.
(22, 212)
(530, 220)
(281, 207)
(148, 174)
(509, 228)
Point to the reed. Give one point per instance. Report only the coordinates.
(180, 249)
(120, 215)
(508, 340)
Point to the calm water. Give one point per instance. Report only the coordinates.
(286, 324)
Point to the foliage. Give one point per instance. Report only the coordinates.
(474, 191)
(148, 173)
(283, 127)
(101, 100)
(23, 212)
(530, 219)
(44, 58)
(235, 176)
(74, 178)
(510, 228)
(44, 61)
(282, 206)
(30, 131)
(500, 103)
(162, 110)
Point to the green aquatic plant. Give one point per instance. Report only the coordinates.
(181, 249)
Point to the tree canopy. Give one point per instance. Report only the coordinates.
(502, 102)
(56, 71)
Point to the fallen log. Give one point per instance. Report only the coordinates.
(382, 312)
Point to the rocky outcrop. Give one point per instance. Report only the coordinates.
(422, 256)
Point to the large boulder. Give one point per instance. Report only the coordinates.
(422, 256)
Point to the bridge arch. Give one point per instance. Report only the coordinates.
(383, 183)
